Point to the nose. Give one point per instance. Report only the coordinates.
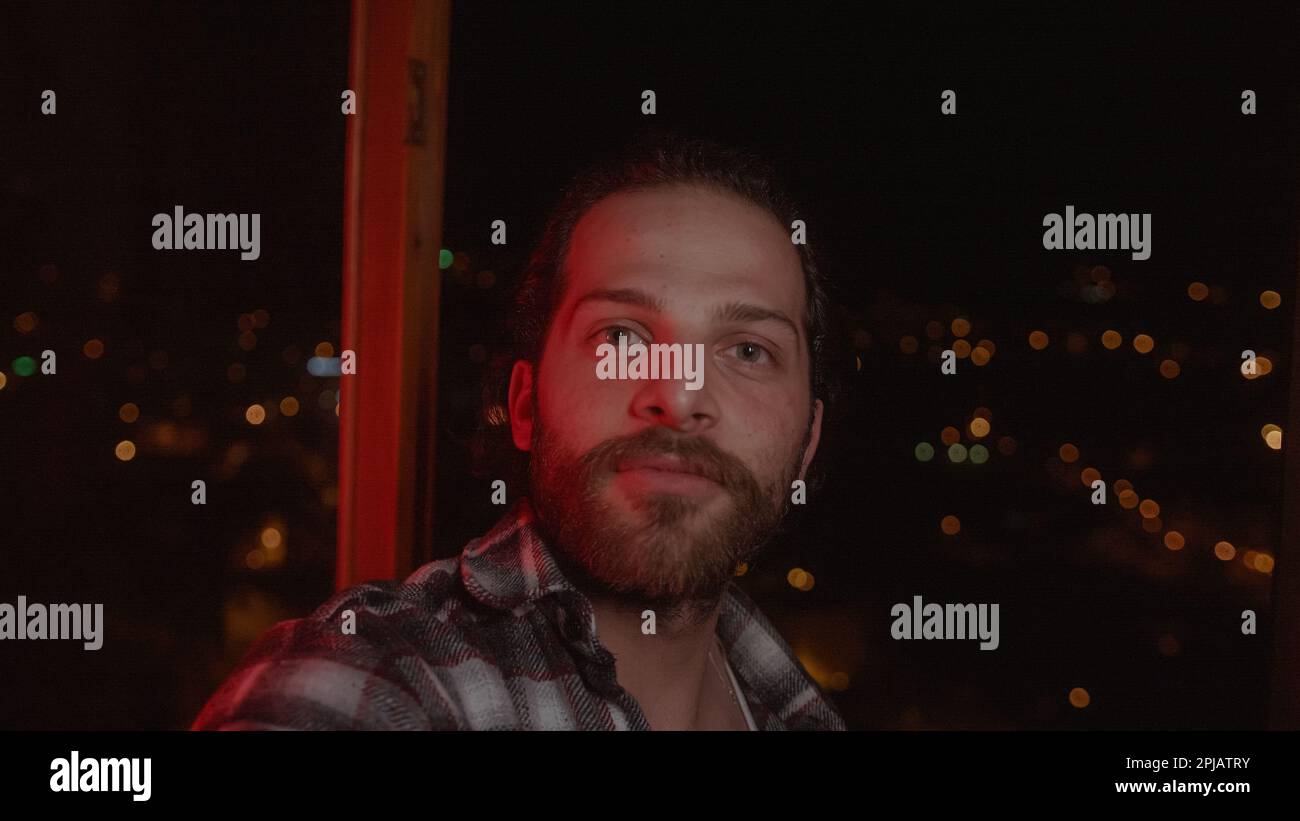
(671, 403)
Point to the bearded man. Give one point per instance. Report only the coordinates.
(605, 597)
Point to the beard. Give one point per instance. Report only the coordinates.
(667, 552)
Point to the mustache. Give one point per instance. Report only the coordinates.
(698, 454)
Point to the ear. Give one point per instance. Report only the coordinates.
(814, 436)
(520, 403)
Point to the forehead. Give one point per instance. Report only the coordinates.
(688, 245)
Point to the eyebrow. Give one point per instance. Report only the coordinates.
(731, 312)
(748, 312)
(625, 296)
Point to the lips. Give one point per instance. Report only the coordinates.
(665, 464)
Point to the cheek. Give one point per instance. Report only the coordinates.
(579, 409)
(768, 439)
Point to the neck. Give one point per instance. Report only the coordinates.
(669, 672)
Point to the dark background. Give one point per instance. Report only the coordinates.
(919, 218)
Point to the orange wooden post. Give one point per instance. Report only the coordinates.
(396, 145)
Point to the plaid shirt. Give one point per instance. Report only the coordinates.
(494, 639)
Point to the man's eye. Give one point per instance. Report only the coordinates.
(752, 353)
(611, 335)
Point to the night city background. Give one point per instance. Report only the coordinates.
(1073, 365)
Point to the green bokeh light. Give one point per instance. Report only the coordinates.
(957, 452)
(445, 259)
(979, 454)
(924, 452)
(24, 366)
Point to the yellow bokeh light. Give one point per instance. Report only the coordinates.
(1112, 340)
(289, 406)
(1270, 299)
(1225, 551)
(1149, 509)
(1089, 475)
(1128, 499)
(255, 414)
(979, 356)
(987, 344)
(962, 348)
(1174, 540)
(1264, 563)
(950, 525)
(1122, 485)
(979, 428)
(1170, 369)
(271, 538)
(1143, 343)
(1272, 435)
(796, 577)
(960, 326)
(129, 412)
(1068, 453)
(1198, 291)
(1079, 698)
(125, 450)
(1038, 340)
(4, 380)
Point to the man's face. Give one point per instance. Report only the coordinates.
(656, 491)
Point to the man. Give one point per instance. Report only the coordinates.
(605, 599)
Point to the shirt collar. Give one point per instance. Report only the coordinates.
(511, 566)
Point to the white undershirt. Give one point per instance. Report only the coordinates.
(740, 695)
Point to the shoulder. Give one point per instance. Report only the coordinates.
(366, 659)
